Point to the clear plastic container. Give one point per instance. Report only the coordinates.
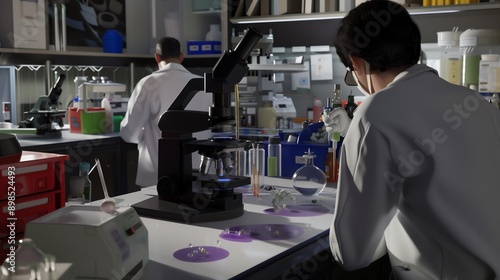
(450, 67)
(274, 157)
(474, 43)
(309, 179)
(266, 114)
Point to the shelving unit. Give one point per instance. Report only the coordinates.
(10, 56)
(340, 15)
(278, 67)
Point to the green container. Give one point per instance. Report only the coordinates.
(93, 122)
(117, 120)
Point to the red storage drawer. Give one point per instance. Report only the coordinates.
(26, 209)
(35, 173)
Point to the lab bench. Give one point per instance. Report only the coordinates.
(118, 158)
(305, 255)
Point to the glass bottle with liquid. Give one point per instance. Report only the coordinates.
(309, 179)
(351, 106)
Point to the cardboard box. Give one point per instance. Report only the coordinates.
(204, 47)
(23, 24)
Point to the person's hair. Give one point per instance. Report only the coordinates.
(382, 33)
(168, 47)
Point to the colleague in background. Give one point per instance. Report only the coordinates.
(419, 162)
(151, 97)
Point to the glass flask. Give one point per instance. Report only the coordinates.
(309, 179)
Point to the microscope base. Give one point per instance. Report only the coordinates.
(178, 212)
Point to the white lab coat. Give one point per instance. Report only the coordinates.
(419, 179)
(151, 97)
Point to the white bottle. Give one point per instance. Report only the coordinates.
(108, 127)
(266, 114)
(214, 34)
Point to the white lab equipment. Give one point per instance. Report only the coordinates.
(285, 111)
(100, 245)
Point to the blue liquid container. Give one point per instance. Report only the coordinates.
(112, 42)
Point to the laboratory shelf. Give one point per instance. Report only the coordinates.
(15, 56)
(278, 67)
(340, 15)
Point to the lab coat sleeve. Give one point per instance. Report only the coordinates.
(367, 196)
(137, 115)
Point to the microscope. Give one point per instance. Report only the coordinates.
(185, 195)
(45, 113)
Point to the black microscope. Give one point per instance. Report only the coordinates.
(45, 114)
(185, 195)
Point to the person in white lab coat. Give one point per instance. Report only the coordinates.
(151, 97)
(419, 161)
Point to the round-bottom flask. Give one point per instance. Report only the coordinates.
(309, 179)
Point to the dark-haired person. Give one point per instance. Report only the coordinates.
(419, 163)
(151, 97)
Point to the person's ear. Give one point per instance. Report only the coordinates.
(157, 58)
(358, 64)
(181, 57)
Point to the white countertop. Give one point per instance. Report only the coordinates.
(244, 257)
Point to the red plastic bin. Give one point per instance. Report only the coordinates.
(36, 172)
(26, 209)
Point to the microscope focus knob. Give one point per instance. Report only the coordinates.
(167, 187)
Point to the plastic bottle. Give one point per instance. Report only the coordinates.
(108, 124)
(87, 184)
(317, 110)
(214, 34)
(488, 72)
(450, 67)
(112, 41)
(274, 157)
(473, 43)
(266, 114)
(350, 106)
